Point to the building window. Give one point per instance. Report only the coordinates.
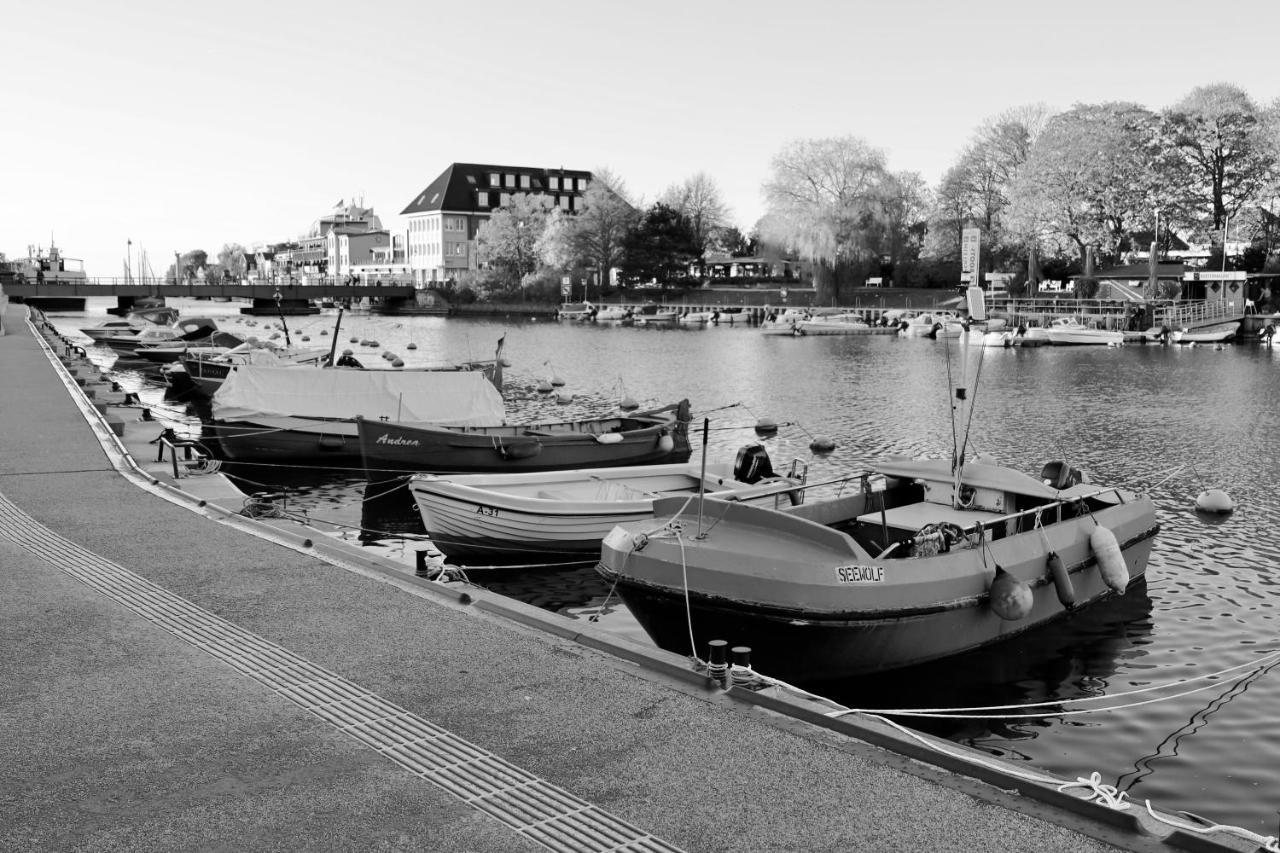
(524, 182)
(494, 179)
(506, 199)
(582, 185)
(564, 202)
(553, 183)
(482, 199)
(511, 181)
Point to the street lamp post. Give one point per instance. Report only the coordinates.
(280, 314)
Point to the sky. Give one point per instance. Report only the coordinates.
(167, 126)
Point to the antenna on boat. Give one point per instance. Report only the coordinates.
(333, 349)
(702, 481)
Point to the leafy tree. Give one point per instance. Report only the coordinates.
(825, 202)
(906, 204)
(507, 242)
(232, 259)
(661, 247)
(597, 235)
(1089, 179)
(730, 241)
(1220, 151)
(187, 265)
(699, 201)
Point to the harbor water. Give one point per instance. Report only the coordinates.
(1182, 659)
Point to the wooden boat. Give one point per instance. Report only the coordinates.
(189, 328)
(653, 437)
(207, 371)
(936, 562)
(1070, 331)
(567, 513)
(1217, 333)
(695, 318)
(296, 414)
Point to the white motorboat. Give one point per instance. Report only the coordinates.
(651, 314)
(613, 314)
(502, 515)
(133, 323)
(1071, 331)
(841, 323)
(183, 329)
(933, 324)
(580, 311)
(1216, 333)
(784, 323)
(696, 318)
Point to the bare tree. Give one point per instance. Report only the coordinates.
(698, 199)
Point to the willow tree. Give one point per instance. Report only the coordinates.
(825, 201)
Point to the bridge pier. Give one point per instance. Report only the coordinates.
(288, 307)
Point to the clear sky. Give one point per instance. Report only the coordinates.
(180, 126)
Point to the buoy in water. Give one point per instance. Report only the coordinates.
(1011, 599)
(1215, 501)
(544, 386)
(628, 403)
(306, 337)
(1106, 550)
(766, 426)
(822, 444)
(1062, 580)
(398, 363)
(564, 398)
(411, 345)
(557, 381)
(355, 340)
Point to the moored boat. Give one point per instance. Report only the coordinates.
(1071, 331)
(937, 562)
(838, 323)
(652, 437)
(652, 314)
(785, 323)
(1216, 333)
(567, 513)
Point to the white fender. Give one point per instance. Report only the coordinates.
(1106, 549)
(1062, 580)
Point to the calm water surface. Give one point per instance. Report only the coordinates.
(1169, 421)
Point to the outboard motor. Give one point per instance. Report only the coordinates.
(752, 464)
(1060, 475)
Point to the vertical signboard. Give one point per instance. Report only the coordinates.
(970, 249)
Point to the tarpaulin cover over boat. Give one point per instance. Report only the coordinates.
(448, 398)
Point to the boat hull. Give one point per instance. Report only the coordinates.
(289, 441)
(812, 606)
(390, 447)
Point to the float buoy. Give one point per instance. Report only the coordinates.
(766, 426)
(1110, 561)
(564, 398)
(306, 337)
(1062, 580)
(411, 345)
(1215, 501)
(1011, 599)
(557, 381)
(355, 340)
(666, 443)
(323, 332)
(628, 403)
(822, 444)
(398, 363)
(544, 386)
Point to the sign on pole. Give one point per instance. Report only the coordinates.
(970, 250)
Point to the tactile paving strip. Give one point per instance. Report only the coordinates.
(538, 810)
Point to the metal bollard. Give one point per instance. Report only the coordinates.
(740, 672)
(717, 662)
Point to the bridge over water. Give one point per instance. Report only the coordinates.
(292, 297)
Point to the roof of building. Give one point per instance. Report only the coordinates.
(455, 188)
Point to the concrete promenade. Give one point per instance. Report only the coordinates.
(175, 677)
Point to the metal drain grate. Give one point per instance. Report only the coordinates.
(536, 809)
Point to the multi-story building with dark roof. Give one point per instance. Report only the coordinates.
(444, 217)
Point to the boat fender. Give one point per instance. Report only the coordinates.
(1062, 580)
(609, 438)
(766, 426)
(1011, 599)
(666, 443)
(1110, 561)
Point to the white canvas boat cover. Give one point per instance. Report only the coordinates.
(448, 398)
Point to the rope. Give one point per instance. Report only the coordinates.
(1205, 827)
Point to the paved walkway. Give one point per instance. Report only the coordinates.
(172, 682)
